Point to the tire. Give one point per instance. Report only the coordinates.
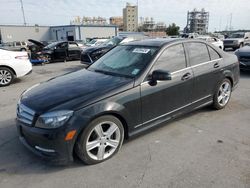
(222, 94)
(6, 76)
(102, 146)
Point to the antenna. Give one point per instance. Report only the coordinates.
(24, 20)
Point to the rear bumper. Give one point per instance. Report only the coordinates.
(231, 45)
(48, 144)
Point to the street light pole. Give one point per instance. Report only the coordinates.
(24, 20)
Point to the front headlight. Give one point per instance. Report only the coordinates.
(235, 42)
(52, 120)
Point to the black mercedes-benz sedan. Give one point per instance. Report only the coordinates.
(134, 87)
(243, 55)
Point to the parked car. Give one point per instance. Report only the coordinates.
(96, 42)
(13, 65)
(15, 46)
(190, 35)
(213, 40)
(57, 51)
(243, 55)
(237, 40)
(91, 54)
(133, 87)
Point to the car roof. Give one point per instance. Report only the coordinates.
(154, 42)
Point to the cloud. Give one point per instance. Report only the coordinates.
(57, 12)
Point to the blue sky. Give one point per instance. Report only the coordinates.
(57, 12)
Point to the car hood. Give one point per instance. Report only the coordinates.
(94, 48)
(73, 90)
(245, 49)
(36, 43)
(228, 39)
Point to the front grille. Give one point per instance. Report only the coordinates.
(244, 58)
(25, 114)
(228, 41)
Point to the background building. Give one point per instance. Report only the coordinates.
(11, 33)
(89, 21)
(130, 18)
(197, 22)
(118, 21)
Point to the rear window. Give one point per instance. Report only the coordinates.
(198, 53)
(213, 54)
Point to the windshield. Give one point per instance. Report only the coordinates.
(237, 35)
(52, 45)
(92, 41)
(113, 42)
(128, 61)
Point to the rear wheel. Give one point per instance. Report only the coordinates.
(101, 140)
(6, 76)
(222, 95)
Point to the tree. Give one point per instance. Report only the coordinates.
(173, 29)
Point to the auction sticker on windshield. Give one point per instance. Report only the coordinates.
(141, 50)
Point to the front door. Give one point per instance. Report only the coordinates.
(61, 50)
(161, 101)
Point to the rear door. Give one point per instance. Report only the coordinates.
(74, 50)
(160, 101)
(206, 64)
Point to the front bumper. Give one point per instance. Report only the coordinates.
(244, 65)
(48, 144)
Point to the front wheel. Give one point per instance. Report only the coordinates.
(101, 140)
(222, 95)
(6, 76)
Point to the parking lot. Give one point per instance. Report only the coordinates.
(206, 148)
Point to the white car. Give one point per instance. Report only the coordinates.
(213, 40)
(13, 65)
(96, 42)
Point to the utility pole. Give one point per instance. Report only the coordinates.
(24, 20)
(230, 27)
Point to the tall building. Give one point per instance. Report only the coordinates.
(130, 18)
(118, 21)
(197, 22)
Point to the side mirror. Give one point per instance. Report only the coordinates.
(161, 75)
(246, 37)
(55, 48)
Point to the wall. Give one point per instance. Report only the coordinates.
(23, 33)
(98, 32)
(60, 32)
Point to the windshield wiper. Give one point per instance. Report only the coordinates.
(112, 73)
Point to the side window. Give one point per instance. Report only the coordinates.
(213, 54)
(73, 45)
(172, 59)
(198, 53)
(62, 45)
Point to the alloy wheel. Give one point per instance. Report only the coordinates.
(103, 140)
(224, 93)
(5, 77)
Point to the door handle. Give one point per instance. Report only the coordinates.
(186, 76)
(216, 65)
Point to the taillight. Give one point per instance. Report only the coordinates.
(22, 57)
